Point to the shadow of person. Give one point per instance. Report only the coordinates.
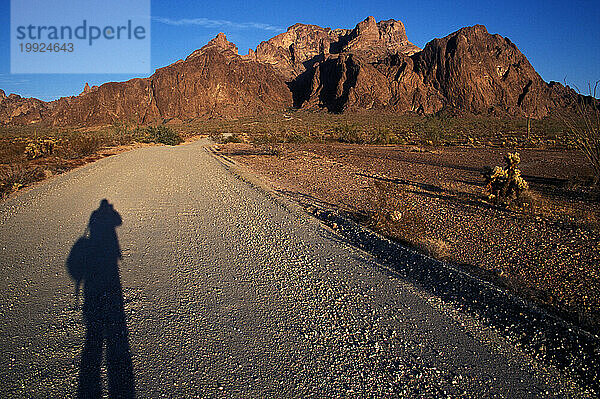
(94, 264)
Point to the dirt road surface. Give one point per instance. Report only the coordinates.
(194, 283)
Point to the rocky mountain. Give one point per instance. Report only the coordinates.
(469, 70)
(301, 46)
(17, 110)
(373, 66)
(213, 82)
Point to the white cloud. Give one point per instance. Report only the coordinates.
(217, 23)
(11, 80)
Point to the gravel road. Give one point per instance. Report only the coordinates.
(212, 288)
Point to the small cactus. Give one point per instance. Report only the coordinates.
(37, 148)
(505, 184)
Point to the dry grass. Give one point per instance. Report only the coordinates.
(31, 153)
(372, 127)
(83, 145)
(584, 128)
(15, 177)
(295, 127)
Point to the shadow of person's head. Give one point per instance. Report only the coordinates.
(97, 251)
(103, 221)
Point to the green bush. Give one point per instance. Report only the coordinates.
(347, 133)
(122, 133)
(163, 135)
(504, 185)
(383, 135)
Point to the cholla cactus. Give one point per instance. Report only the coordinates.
(512, 159)
(504, 185)
(37, 148)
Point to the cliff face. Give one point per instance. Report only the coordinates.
(478, 72)
(375, 40)
(469, 70)
(373, 66)
(301, 46)
(293, 52)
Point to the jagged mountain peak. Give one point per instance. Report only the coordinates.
(372, 66)
(219, 43)
(377, 40)
(298, 48)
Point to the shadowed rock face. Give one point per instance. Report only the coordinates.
(301, 46)
(373, 66)
(291, 52)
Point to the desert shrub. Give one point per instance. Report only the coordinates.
(120, 133)
(142, 135)
(435, 129)
(293, 136)
(234, 138)
(217, 137)
(138, 134)
(82, 145)
(349, 134)
(530, 201)
(583, 127)
(37, 148)
(163, 135)
(12, 150)
(223, 138)
(504, 185)
(383, 135)
(268, 136)
(14, 177)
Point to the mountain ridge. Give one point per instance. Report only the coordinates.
(373, 66)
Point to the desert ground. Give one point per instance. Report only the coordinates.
(432, 198)
(407, 192)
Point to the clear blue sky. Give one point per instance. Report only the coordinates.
(560, 38)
